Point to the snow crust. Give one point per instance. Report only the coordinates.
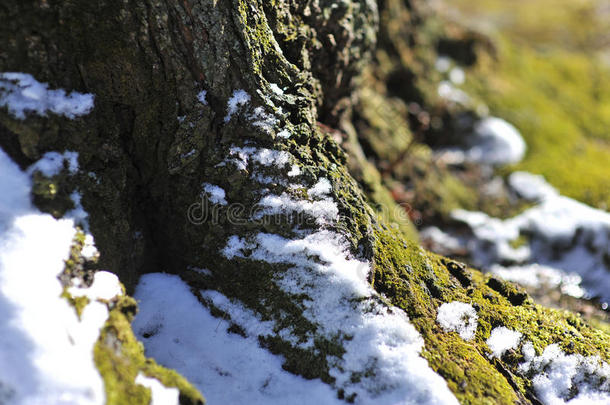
(22, 94)
(458, 317)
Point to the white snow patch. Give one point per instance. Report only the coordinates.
(52, 163)
(571, 379)
(457, 76)
(261, 119)
(228, 368)
(531, 186)
(502, 339)
(161, 395)
(496, 142)
(324, 210)
(78, 213)
(105, 286)
(21, 93)
(295, 170)
(562, 233)
(241, 157)
(216, 194)
(276, 89)
(89, 250)
(443, 64)
(321, 189)
(449, 92)
(284, 133)
(536, 276)
(202, 97)
(46, 352)
(458, 317)
(239, 98)
(342, 304)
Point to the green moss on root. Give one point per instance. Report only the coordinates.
(119, 357)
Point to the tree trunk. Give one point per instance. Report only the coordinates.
(163, 129)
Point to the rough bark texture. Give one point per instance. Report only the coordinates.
(147, 61)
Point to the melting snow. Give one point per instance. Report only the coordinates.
(458, 317)
(21, 93)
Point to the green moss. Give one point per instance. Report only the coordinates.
(419, 282)
(551, 82)
(120, 358)
(79, 303)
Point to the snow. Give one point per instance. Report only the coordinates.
(537, 276)
(572, 379)
(276, 89)
(531, 187)
(241, 156)
(46, 351)
(343, 304)
(52, 163)
(321, 189)
(105, 286)
(284, 133)
(562, 234)
(228, 368)
(161, 395)
(239, 98)
(458, 317)
(323, 211)
(295, 170)
(443, 64)
(495, 142)
(449, 92)
(202, 97)
(89, 250)
(503, 339)
(259, 118)
(216, 194)
(78, 213)
(457, 76)
(21, 93)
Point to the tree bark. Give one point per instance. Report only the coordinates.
(151, 143)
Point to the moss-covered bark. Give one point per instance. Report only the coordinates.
(151, 145)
